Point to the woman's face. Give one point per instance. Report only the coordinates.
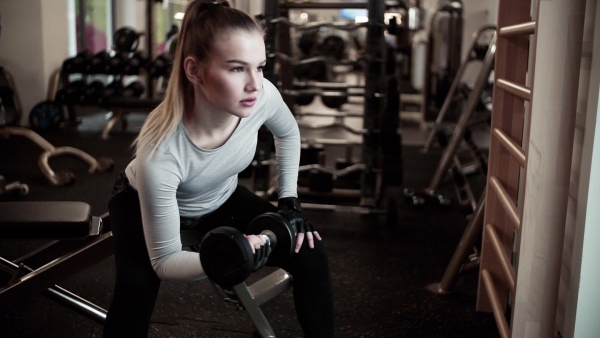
(232, 78)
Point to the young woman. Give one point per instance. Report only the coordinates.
(184, 174)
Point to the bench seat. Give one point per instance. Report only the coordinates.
(45, 220)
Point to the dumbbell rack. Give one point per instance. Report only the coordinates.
(380, 114)
(119, 100)
(82, 83)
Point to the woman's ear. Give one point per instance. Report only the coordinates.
(192, 68)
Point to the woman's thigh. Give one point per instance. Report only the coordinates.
(237, 211)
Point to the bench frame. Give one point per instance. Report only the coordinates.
(40, 270)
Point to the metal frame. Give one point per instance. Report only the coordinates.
(41, 269)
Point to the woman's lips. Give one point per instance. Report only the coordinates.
(248, 102)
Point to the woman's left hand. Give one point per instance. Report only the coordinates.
(289, 207)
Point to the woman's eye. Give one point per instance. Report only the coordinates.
(237, 69)
(260, 68)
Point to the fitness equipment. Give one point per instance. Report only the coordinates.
(77, 64)
(337, 123)
(443, 53)
(461, 260)
(8, 188)
(372, 62)
(46, 116)
(310, 153)
(62, 177)
(93, 93)
(99, 63)
(333, 94)
(226, 254)
(125, 39)
(113, 89)
(134, 64)
(449, 156)
(333, 46)
(159, 66)
(80, 240)
(479, 45)
(116, 64)
(303, 99)
(134, 89)
(322, 178)
(121, 105)
(71, 93)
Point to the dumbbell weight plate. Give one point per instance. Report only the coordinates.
(45, 116)
(283, 230)
(226, 256)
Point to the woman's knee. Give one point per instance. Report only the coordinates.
(309, 258)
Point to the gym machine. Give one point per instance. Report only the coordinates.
(379, 161)
(450, 162)
(442, 59)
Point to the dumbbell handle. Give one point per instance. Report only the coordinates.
(270, 237)
(261, 255)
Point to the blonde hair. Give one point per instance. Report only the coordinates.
(202, 23)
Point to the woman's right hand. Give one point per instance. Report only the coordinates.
(256, 241)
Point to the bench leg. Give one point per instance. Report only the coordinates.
(48, 275)
(253, 296)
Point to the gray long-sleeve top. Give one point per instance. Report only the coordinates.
(181, 179)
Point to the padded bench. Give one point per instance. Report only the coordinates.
(76, 241)
(47, 220)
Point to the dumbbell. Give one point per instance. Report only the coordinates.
(134, 64)
(160, 66)
(116, 64)
(93, 93)
(77, 64)
(226, 255)
(99, 63)
(134, 90)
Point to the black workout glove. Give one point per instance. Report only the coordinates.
(289, 207)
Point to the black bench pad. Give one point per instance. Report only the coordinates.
(44, 220)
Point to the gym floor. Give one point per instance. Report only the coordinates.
(380, 272)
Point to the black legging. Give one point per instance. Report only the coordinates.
(137, 285)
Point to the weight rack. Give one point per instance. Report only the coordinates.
(380, 145)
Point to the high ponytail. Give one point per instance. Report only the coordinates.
(202, 23)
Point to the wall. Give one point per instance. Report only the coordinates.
(550, 152)
(33, 45)
(580, 275)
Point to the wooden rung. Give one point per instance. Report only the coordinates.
(507, 202)
(507, 268)
(495, 301)
(526, 28)
(515, 89)
(513, 148)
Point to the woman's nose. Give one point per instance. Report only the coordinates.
(253, 82)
